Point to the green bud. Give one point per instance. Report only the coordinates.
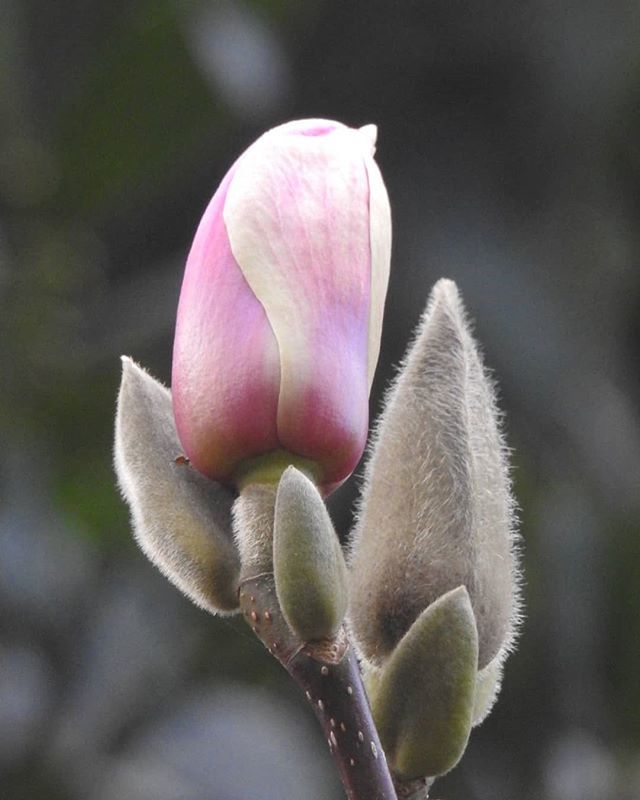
(423, 697)
(310, 571)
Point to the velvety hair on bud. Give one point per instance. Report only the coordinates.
(436, 510)
(181, 520)
(253, 528)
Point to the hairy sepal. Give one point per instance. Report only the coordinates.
(181, 520)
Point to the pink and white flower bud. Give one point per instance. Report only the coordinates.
(279, 320)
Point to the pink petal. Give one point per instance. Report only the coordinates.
(226, 372)
(297, 216)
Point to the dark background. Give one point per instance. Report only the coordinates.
(509, 138)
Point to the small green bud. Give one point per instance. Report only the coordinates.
(422, 699)
(310, 571)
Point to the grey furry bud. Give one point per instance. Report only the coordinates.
(181, 520)
(253, 528)
(436, 510)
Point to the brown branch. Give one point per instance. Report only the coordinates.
(327, 671)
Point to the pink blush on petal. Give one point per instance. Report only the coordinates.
(319, 131)
(226, 372)
(329, 420)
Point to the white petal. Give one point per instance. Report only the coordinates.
(380, 238)
(370, 133)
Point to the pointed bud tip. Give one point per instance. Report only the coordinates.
(370, 132)
(445, 293)
(445, 287)
(129, 366)
(292, 477)
(458, 596)
(445, 313)
(136, 379)
(291, 473)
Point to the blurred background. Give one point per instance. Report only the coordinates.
(509, 138)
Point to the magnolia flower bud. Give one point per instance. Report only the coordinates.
(280, 313)
(436, 511)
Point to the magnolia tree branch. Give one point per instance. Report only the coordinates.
(327, 671)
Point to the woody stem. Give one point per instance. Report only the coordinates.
(327, 672)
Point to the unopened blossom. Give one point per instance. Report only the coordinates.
(280, 313)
